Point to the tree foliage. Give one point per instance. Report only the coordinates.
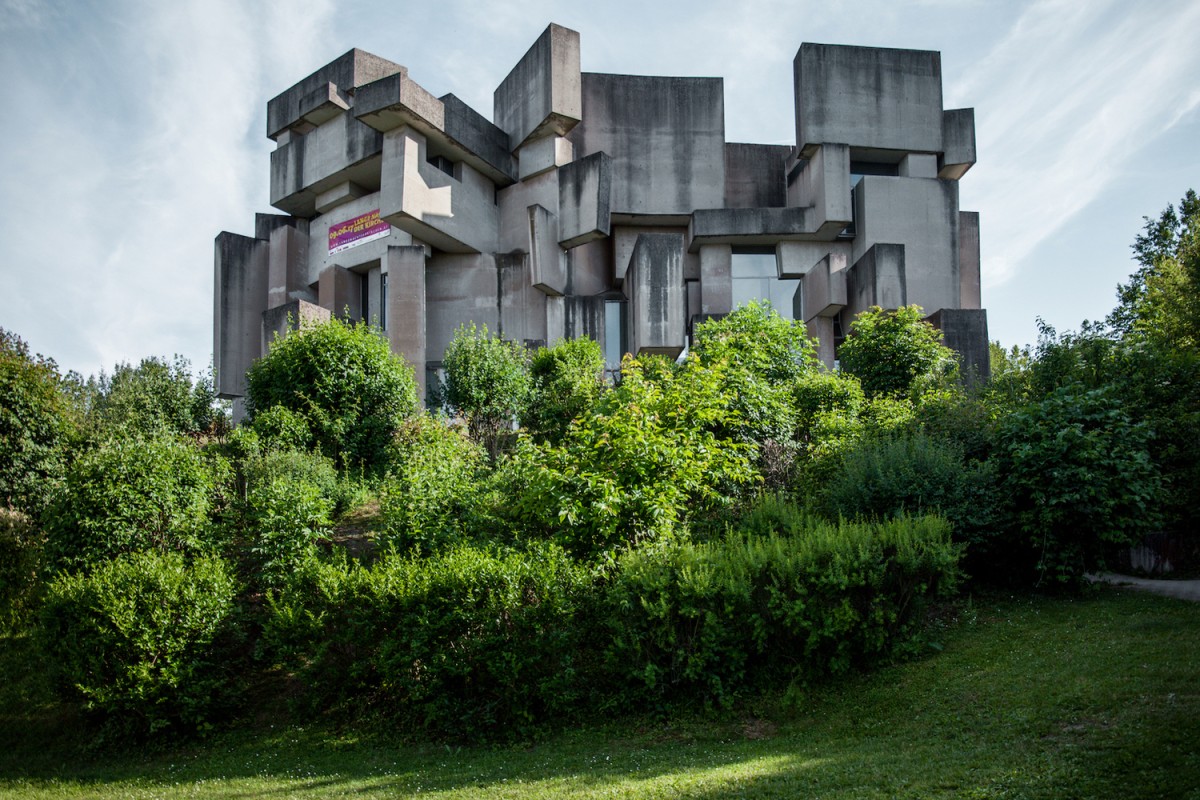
(343, 380)
(487, 381)
(33, 425)
(567, 379)
(890, 350)
(155, 397)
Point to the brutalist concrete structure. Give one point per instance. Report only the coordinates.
(608, 206)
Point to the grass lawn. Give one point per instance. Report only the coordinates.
(1094, 697)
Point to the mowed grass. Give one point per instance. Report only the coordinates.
(1056, 698)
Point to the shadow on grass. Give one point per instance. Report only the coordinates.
(1043, 698)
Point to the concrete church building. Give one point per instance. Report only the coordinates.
(599, 205)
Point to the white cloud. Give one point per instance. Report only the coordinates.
(1063, 103)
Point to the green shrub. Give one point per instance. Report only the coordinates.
(889, 350)
(1080, 481)
(466, 644)
(805, 600)
(129, 495)
(287, 517)
(889, 476)
(281, 428)
(645, 463)
(157, 397)
(487, 381)
(567, 379)
(430, 498)
(33, 425)
(21, 545)
(343, 381)
(140, 641)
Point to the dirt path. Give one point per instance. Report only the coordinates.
(1184, 590)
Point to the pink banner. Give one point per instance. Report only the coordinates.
(360, 230)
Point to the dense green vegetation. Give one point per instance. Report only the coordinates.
(547, 545)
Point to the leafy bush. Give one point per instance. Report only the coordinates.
(466, 644)
(1080, 480)
(567, 379)
(643, 464)
(281, 428)
(894, 475)
(487, 381)
(288, 517)
(139, 641)
(343, 380)
(429, 500)
(21, 546)
(805, 600)
(33, 425)
(129, 495)
(889, 350)
(157, 397)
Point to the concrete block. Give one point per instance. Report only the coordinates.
(655, 290)
(452, 214)
(749, 226)
(323, 104)
(406, 308)
(583, 316)
(868, 97)
(716, 279)
(365, 254)
(918, 165)
(823, 291)
(287, 262)
(349, 71)
(477, 141)
(460, 289)
(666, 137)
(239, 299)
(877, 279)
(822, 183)
(522, 307)
(796, 259)
(754, 175)
(542, 155)
(821, 330)
(341, 150)
(965, 331)
(278, 322)
(958, 143)
(547, 260)
(338, 195)
(968, 259)
(541, 95)
(590, 268)
(922, 215)
(625, 240)
(584, 196)
(339, 291)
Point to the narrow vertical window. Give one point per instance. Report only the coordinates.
(383, 301)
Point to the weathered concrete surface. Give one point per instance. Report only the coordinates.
(287, 263)
(541, 96)
(406, 308)
(278, 322)
(339, 291)
(541, 155)
(823, 290)
(654, 286)
(241, 279)
(922, 215)
(868, 97)
(345, 73)
(339, 151)
(877, 278)
(584, 200)
(822, 184)
(969, 295)
(716, 279)
(964, 330)
(754, 175)
(958, 141)
(548, 267)
(666, 137)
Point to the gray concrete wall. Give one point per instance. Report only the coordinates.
(456, 213)
(240, 298)
(287, 263)
(342, 149)
(278, 322)
(922, 215)
(319, 257)
(548, 262)
(666, 137)
(406, 313)
(968, 259)
(958, 143)
(868, 97)
(823, 291)
(584, 199)
(655, 290)
(965, 331)
(822, 184)
(350, 70)
(754, 175)
(460, 289)
(877, 278)
(541, 96)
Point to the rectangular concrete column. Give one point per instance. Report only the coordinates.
(406, 308)
(287, 261)
(239, 300)
(968, 259)
(716, 279)
(340, 292)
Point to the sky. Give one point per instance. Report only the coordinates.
(133, 131)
